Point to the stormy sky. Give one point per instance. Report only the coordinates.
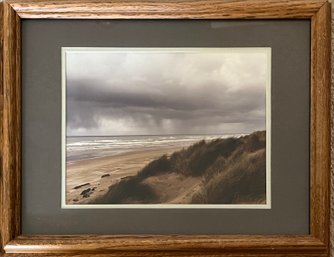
(166, 92)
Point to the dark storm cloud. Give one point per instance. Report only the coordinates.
(154, 93)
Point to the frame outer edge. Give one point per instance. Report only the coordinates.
(166, 9)
(1, 113)
(10, 126)
(245, 246)
(320, 124)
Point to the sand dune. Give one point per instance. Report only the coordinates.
(173, 188)
(100, 173)
(221, 171)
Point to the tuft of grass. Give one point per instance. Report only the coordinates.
(129, 190)
(155, 167)
(243, 180)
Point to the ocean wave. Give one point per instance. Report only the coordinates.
(92, 147)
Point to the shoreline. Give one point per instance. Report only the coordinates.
(220, 171)
(97, 174)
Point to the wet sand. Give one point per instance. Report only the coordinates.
(94, 176)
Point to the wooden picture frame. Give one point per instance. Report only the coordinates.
(316, 244)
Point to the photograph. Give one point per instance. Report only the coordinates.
(166, 127)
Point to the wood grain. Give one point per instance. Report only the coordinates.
(1, 120)
(314, 245)
(11, 127)
(163, 253)
(320, 124)
(176, 244)
(166, 9)
(332, 139)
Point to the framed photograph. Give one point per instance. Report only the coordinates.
(173, 134)
(173, 128)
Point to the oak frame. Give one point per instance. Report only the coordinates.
(12, 243)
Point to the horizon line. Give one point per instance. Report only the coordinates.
(181, 134)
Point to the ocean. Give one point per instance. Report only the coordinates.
(81, 148)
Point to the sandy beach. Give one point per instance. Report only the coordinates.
(221, 171)
(98, 174)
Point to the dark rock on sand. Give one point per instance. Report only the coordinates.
(105, 175)
(86, 193)
(80, 186)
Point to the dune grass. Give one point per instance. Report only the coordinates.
(233, 171)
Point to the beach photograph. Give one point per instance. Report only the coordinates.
(166, 127)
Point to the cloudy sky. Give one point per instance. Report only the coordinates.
(165, 92)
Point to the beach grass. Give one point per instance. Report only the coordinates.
(220, 171)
